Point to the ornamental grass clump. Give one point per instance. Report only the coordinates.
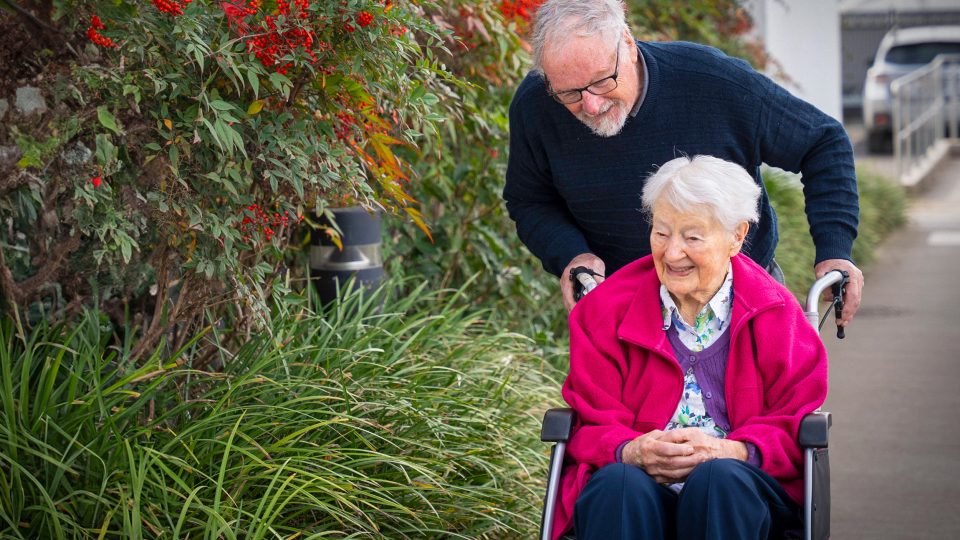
(390, 417)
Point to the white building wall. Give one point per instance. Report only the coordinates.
(803, 37)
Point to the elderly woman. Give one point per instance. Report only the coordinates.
(690, 370)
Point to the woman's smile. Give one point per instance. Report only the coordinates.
(680, 271)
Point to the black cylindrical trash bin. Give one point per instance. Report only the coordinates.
(332, 267)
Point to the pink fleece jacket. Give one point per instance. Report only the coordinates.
(625, 381)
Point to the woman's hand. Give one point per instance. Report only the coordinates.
(666, 461)
(706, 446)
(670, 456)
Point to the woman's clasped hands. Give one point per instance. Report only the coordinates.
(670, 456)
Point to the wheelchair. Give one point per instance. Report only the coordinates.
(813, 436)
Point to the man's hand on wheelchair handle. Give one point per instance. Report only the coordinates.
(588, 260)
(853, 290)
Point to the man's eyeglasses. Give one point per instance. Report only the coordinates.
(597, 88)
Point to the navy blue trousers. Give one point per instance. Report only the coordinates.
(721, 499)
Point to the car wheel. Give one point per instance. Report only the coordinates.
(879, 142)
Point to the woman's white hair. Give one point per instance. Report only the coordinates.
(726, 189)
(558, 21)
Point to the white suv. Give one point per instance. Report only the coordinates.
(901, 51)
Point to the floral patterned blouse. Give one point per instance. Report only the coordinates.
(711, 322)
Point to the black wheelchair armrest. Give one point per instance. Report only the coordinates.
(557, 425)
(815, 430)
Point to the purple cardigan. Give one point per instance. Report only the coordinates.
(709, 366)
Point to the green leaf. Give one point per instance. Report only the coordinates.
(214, 132)
(281, 83)
(221, 105)
(126, 250)
(126, 245)
(129, 89)
(175, 159)
(223, 134)
(254, 82)
(30, 159)
(106, 152)
(107, 120)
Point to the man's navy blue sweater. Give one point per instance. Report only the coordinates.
(571, 192)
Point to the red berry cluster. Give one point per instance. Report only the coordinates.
(171, 7)
(237, 13)
(270, 43)
(364, 18)
(519, 9)
(344, 126)
(96, 181)
(95, 36)
(257, 220)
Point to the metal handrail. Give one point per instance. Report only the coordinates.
(926, 106)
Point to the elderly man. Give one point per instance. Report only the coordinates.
(601, 111)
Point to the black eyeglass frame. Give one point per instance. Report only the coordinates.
(580, 91)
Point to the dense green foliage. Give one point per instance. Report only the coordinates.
(394, 416)
(882, 209)
(201, 132)
(190, 143)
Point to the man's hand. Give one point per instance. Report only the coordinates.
(589, 260)
(853, 290)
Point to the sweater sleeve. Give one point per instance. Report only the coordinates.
(544, 224)
(796, 136)
(594, 388)
(792, 362)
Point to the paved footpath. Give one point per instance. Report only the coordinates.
(895, 382)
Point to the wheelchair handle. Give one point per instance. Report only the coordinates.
(836, 280)
(583, 282)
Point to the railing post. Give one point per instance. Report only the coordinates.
(954, 96)
(897, 128)
(941, 116)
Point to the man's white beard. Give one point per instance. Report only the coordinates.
(608, 123)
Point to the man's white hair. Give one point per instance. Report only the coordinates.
(558, 21)
(726, 189)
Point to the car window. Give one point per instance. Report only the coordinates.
(920, 53)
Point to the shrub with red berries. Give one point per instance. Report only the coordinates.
(521, 10)
(192, 110)
(94, 35)
(171, 7)
(258, 223)
(364, 19)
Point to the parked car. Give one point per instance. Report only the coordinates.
(901, 51)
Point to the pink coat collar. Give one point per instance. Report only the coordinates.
(751, 295)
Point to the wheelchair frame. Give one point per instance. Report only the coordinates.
(813, 438)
